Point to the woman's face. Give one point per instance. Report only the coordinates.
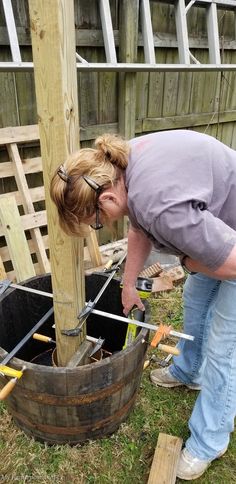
(113, 213)
(112, 205)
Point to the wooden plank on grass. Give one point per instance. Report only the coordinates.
(165, 461)
(16, 239)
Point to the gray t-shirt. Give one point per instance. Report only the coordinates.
(182, 193)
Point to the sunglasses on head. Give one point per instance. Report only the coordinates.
(98, 189)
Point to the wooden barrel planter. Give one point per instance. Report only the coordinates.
(65, 405)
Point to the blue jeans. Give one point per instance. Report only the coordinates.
(210, 316)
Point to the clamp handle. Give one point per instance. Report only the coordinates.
(7, 389)
(10, 385)
(6, 370)
(162, 332)
(108, 265)
(146, 364)
(171, 350)
(42, 337)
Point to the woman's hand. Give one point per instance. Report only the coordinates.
(139, 247)
(130, 298)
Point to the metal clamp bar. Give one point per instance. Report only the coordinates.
(151, 327)
(5, 284)
(27, 337)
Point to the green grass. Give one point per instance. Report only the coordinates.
(124, 457)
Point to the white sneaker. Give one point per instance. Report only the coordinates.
(163, 378)
(190, 468)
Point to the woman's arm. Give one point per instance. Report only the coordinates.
(225, 271)
(139, 247)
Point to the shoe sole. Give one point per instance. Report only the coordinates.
(174, 385)
(196, 476)
(192, 478)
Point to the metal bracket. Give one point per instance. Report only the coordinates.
(98, 346)
(4, 285)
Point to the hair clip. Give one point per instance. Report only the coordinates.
(63, 173)
(93, 184)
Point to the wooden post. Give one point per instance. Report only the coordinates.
(128, 41)
(53, 41)
(93, 249)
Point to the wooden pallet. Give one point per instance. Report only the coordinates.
(17, 209)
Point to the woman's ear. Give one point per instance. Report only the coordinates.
(108, 196)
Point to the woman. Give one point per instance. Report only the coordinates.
(179, 190)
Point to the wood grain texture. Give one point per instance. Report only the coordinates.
(53, 41)
(28, 206)
(127, 53)
(16, 240)
(165, 461)
(93, 249)
(2, 270)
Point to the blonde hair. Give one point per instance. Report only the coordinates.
(74, 198)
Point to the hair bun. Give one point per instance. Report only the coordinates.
(103, 143)
(114, 148)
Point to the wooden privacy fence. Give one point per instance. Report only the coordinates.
(154, 100)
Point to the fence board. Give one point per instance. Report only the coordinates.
(142, 91)
(197, 87)
(107, 95)
(187, 121)
(8, 100)
(25, 92)
(234, 137)
(156, 87)
(184, 92)
(230, 102)
(170, 94)
(88, 92)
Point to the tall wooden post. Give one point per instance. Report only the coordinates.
(53, 42)
(128, 42)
